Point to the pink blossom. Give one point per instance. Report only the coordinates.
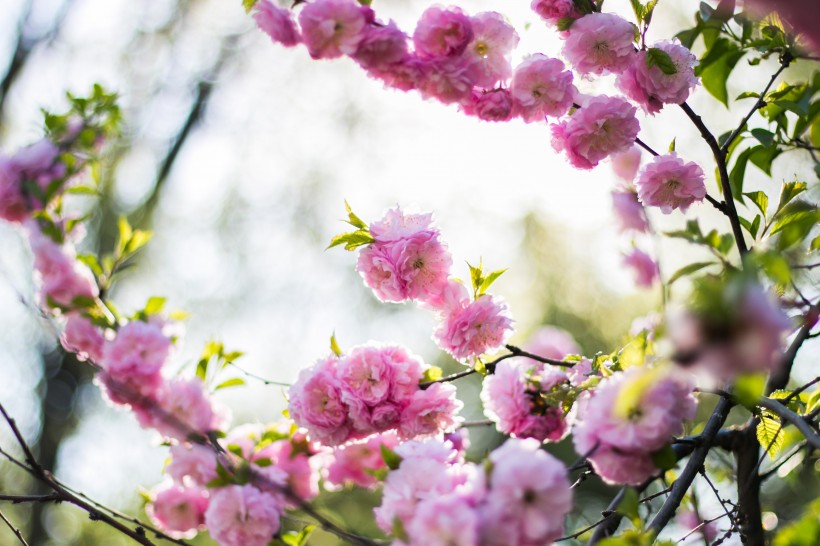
(579, 373)
(650, 87)
(493, 105)
(277, 23)
(630, 415)
(413, 265)
(671, 183)
(133, 361)
(453, 297)
(13, 207)
(316, 403)
(83, 338)
(366, 372)
(644, 268)
(242, 515)
(356, 462)
(490, 50)
(381, 46)
(293, 458)
(406, 74)
(178, 510)
(551, 342)
(447, 80)
(477, 328)
(629, 213)
(182, 408)
(431, 411)
(63, 278)
(192, 464)
(541, 87)
(626, 164)
(603, 127)
(511, 398)
(599, 43)
(529, 489)
(554, 10)
(332, 28)
(447, 520)
(442, 32)
(38, 163)
(397, 224)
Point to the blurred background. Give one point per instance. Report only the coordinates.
(238, 154)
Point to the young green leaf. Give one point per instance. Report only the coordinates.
(688, 270)
(233, 382)
(660, 58)
(334, 345)
(770, 433)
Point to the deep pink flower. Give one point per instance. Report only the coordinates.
(493, 105)
(381, 46)
(541, 87)
(553, 10)
(83, 338)
(182, 408)
(332, 28)
(650, 87)
(671, 183)
(13, 207)
(133, 361)
(406, 74)
(478, 327)
(629, 213)
(178, 510)
(366, 373)
(490, 50)
(626, 164)
(63, 277)
(447, 80)
(600, 43)
(294, 458)
(242, 515)
(644, 268)
(442, 32)
(356, 462)
(431, 411)
(277, 23)
(603, 127)
(529, 494)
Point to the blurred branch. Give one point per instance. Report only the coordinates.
(14, 529)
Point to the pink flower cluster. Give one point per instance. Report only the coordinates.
(649, 86)
(643, 266)
(671, 183)
(356, 463)
(407, 261)
(629, 416)
(373, 389)
(451, 57)
(600, 43)
(37, 165)
(629, 213)
(512, 396)
(434, 497)
(62, 277)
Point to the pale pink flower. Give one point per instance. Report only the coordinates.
(453, 297)
(511, 400)
(381, 46)
(192, 464)
(316, 403)
(84, 339)
(650, 87)
(63, 277)
(671, 183)
(541, 87)
(626, 164)
(530, 489)
(493, 105)
(179, 511)
(477, 328)
(554, 10)
(447, 80)
(13, 207)
(332, 28)
(442, 32)
(629, 213)
(242, 515)
(293, 458)
(357, 462)
(603, 127)
(431, 411)
(430, 449)
(643, 266)
(366, 372)
(182, 408)
(397, 224)
(133, 360)
(600, 43)
(277, 23)
(447, 520)
(580, 372)
(490, 50)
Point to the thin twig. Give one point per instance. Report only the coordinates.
(259, 378)
(14, 530)
(795, 450)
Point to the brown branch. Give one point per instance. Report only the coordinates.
(14, 529)
(785, 414)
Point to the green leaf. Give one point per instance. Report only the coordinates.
(789, 191)
(82, 190)
(738, 173)
(815, 244)
(749, 388)
(765, 137)
(154, 305)
(233, 382)
(249, 4)
(476, 276)
(433, 373)
(297, 538)
(92, 262)
(672, 144)
(489, 280)
(390, 457)
(125, 232)
(354, 220)
(628, 507)
(688, 270)
(202, 369)
(334, 345)
(748, 95)
(564, 23)
(352, 240)
(760, 199)
(770, 434)
(774, 266)
(661, 59)
(763, 157)
(665, 458)
(716, 73)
